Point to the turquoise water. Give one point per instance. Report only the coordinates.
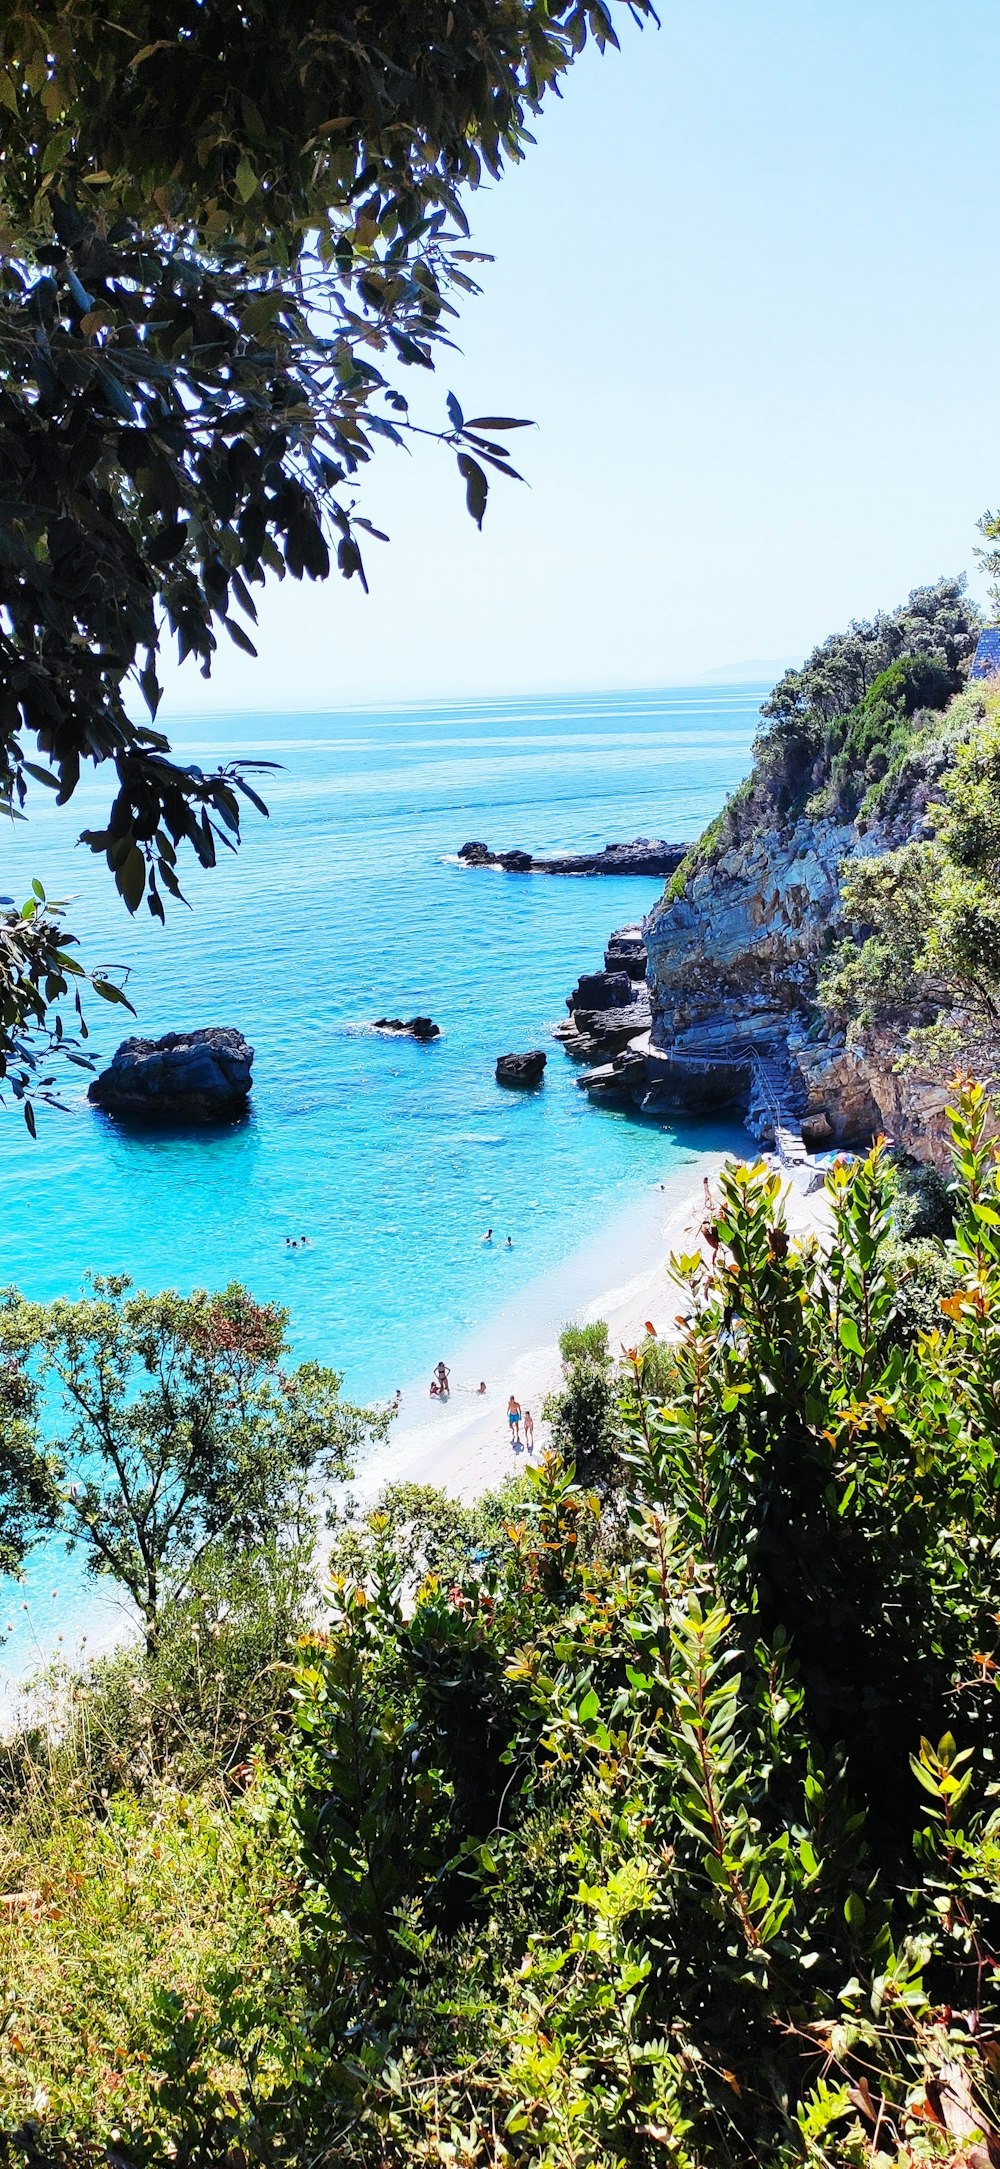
(348, 904)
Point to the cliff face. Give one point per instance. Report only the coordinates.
(732, 968)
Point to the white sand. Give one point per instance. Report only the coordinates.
(463, 1445)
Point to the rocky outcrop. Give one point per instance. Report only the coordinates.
(415, 1027)
(202, 1076)
(728, 1019)
(609, 1009)
(645, 855)
(521, 1069)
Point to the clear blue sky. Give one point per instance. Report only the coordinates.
(747, 285)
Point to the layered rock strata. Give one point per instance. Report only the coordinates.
(202, 1076)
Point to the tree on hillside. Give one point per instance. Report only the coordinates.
(226, 234)
(180, 1428)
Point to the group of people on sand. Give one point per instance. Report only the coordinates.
(441, 1384)
(515, 1420)
(440, 1390)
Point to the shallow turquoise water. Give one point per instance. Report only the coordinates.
(345, 905)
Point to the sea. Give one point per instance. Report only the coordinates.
(389, 1157)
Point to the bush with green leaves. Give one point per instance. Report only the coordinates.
(581, 1414)
(690, 1858)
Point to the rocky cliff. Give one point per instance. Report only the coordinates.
(732, 969)
(850, 768)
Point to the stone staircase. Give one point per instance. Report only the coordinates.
(772, 1107)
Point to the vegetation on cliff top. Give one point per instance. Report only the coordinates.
(922, 953)
(656, 1826)
(843, 733)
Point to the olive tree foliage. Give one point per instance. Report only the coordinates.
(178, 1428)
(227, 233)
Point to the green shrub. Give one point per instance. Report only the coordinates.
(582, 1415)
(585, 1343)
(921, 1199)
(148, 1978)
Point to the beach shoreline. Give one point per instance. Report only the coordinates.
(620, 1274)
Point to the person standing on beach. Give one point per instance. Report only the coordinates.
(443, 1376)
(514, 1420)
(529, 1429)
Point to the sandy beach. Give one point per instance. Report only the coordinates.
(620, 1275)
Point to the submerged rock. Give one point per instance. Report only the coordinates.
(521, 1069)
(417, 1027)
(201, 1076)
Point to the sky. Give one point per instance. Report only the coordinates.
(746, 287)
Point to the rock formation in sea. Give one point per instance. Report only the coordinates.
(416, 1027)
(645, 855)
(201, 1076)
(521, 1069)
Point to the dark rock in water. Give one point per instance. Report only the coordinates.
(417, 1027)
(202, 1076)
(521, 1069)
(513, 862)
(645, 855)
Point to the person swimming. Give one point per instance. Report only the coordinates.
(510, 1242)
(488, 1237)
(481, 1388)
